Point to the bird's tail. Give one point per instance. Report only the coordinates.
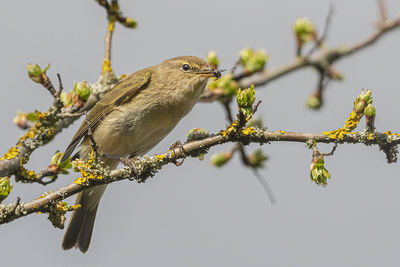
(80, 227)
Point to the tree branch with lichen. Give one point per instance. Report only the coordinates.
(93, 174)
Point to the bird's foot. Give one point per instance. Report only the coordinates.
(178, 145)
(128, 162)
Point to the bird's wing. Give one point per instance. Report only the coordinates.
(122, 92)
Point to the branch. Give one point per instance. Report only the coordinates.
(320, 61)
(148, 166)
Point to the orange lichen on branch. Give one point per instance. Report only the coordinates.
(88, 170)
(230, 129)
(111, 26)
(11, 153)
(248, 130)
(160, 157)
(106, 66)
(389, 133)
(350, 124)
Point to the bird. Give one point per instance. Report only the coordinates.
(128, 121)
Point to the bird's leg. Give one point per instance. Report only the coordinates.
(178, 145)
(128, 162)
(90, 135)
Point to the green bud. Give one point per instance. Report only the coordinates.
(58, 166)
(67, 98)
(314, 102)
(253, 61)
(245, 54)
(359, 107)
(35, 72)
(362, 101)
(319, 174)
(220, 159)
(370, 111)
(57, 157)
(5, 187)
(196, 134)
(257, 158)
(370, 114)
(83, 90)
(228, 85)
(245, 100)
(130, 23)
(367, 97)
(212, 59)
(304, 30)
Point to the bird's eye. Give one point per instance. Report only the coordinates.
(185, 67)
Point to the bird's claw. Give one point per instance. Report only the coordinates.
(130, 163)
(178, 145)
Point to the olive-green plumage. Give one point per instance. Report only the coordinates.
(134, 116)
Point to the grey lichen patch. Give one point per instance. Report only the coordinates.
(258, 133)
(147, 166)
(386, 144)
(10, 211)
(104, 83)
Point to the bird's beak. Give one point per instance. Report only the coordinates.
(210, 73)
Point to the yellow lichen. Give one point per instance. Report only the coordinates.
(230, 129)
(106, 65)
(370, 136)
(248, 131)
(85, 168)
(30, 175)
(31, 133)
(75, 207)
(11, 153)
(349, 125)
(160, 157)
(111, 26)
(80, 181)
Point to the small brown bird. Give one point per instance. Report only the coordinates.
(133, 117)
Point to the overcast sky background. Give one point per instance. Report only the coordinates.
(197, 215)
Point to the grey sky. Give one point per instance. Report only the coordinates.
(197, 215)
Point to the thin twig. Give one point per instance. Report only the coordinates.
(332, 151)
(71, 115)
(108, 41)
(324, 35)
(382, 10)
(264, 183)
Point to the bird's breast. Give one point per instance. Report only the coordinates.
(136, 127)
